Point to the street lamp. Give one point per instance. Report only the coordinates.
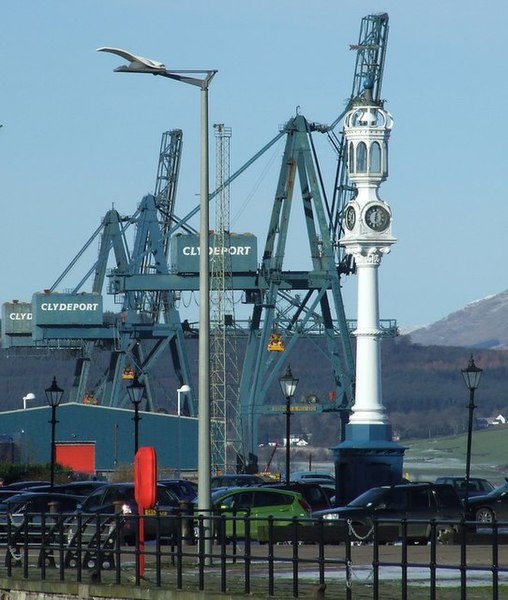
(472, 375)
(53, 395)
(139, 64)
(288, 385)
(136, 390)
(29, 396)
(185, 389)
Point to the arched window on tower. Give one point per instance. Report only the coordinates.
(351, 158)
(375, 158)
(361, 158)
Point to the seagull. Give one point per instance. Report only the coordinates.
(136, 63)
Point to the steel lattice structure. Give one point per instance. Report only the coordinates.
(224, 368)
(297, 305)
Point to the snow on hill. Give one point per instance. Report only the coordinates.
(480, 324)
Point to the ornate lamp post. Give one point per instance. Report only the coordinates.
(472, 375)
(53, 395)
(288, 385)
(136, 390)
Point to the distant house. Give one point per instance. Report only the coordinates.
(483, 423)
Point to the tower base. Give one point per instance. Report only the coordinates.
(366, 458)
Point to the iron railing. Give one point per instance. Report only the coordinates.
(279, 558)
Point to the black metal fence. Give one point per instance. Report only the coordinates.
(287, 559)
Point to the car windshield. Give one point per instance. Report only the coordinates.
(216, 496)
(368, 498)
(499, 491)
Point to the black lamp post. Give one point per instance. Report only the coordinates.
(53, 395)
(288, 385)
(472, 375)
(136, 390)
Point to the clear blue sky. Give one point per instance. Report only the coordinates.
(78, 139)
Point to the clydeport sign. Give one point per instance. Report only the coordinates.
(296, 408)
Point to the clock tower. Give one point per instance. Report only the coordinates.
(367, 457)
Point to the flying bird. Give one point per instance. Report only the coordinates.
(136, 63)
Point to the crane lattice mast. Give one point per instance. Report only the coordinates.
(224, 370)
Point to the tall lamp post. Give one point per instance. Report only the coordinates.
(185, 389)
(29, 396)
(138, 64)
(53, 395)
(136, 390)
(288, 385)
(472, 375)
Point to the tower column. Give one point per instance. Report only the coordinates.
(368, 407)
(368, 456)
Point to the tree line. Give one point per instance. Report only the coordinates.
(423, 388)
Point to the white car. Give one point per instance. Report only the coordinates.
(313, 476)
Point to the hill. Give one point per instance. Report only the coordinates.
(428, 459)
(480, 324)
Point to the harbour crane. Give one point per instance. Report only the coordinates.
(287, 306)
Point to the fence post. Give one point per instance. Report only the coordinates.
(186, 523)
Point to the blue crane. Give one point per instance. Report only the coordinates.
(287, 306)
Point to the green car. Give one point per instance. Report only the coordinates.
(257, 503)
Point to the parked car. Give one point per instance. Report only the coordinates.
(114, 498)
(17, 509)
(235, 480)
(182, 488)
(477, 485)
(40, 502)
(23, 485)
(412, 501)
(80, 488)
(315, 476)
(330, 491)
(313, 493)
(490, 507)
(257, 503)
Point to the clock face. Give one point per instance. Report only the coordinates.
(350, 217)
(377, 218)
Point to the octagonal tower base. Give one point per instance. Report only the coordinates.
(366, 458)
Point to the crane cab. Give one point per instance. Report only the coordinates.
(275, 343)
(128, 374)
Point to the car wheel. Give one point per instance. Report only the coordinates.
(485, 515)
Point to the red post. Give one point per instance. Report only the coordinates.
(145, 492)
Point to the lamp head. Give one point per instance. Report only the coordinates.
(136, 63)
(54, 394)
(136, 390)
(472, 375)
(288, 383)
(185, 389)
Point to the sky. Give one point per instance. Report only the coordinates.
(78, 139)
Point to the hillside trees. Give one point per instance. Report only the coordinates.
(423, 389)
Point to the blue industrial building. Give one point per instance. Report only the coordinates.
(110, 430)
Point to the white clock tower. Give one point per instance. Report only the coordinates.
(368, 456)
